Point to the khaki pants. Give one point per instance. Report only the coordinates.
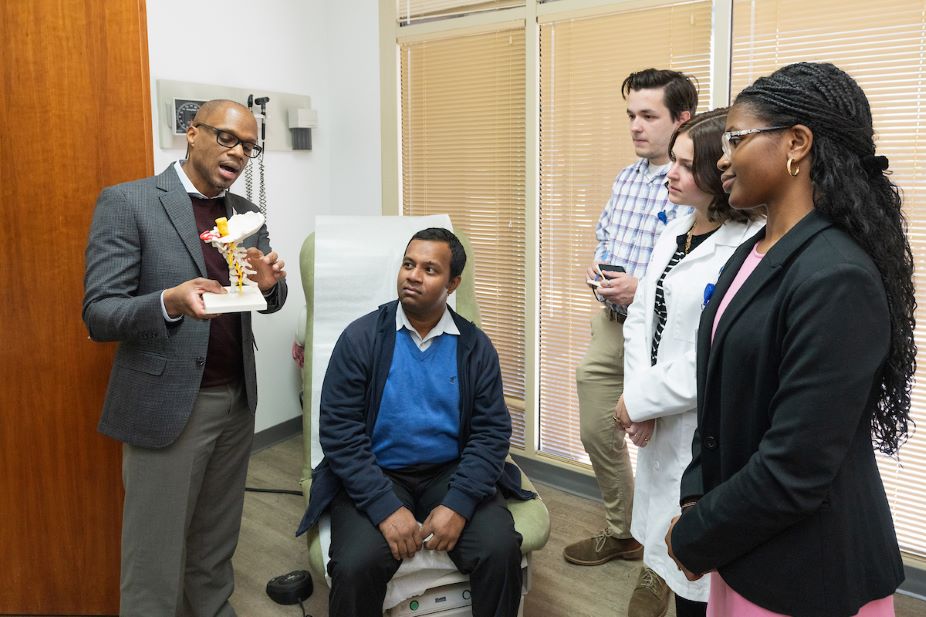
(600, 382)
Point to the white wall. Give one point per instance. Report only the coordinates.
(327, 50)
(353, 47)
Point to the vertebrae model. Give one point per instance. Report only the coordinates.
(225, 237)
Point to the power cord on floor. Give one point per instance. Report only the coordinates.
(279, 491)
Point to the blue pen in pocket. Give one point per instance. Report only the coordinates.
(708, 292)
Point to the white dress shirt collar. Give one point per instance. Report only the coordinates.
(188, 184)
(446, 325)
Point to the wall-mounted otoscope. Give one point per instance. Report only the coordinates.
(262, 101)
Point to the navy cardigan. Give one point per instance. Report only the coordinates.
(350, 400)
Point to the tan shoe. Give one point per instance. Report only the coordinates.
(650, 597)
(602, 548)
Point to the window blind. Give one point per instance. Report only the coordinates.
(463, 136)
(413, 11)
(881, 45)
(584, 143)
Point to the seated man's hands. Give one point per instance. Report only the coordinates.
(446, 525)
(402, 532)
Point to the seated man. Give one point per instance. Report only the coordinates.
(414, 427)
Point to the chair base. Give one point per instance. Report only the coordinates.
(451, 600)
(447, 601)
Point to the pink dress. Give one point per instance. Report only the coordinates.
(723, 600)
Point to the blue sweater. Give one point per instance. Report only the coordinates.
(419, 417)
(350, 403)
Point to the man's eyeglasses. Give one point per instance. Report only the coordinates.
(730, 139)
(228, 140)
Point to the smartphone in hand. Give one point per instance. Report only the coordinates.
(601, 269)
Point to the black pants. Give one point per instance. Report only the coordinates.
(488, 550)
(689, 608)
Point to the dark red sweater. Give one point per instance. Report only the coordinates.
(223, 358)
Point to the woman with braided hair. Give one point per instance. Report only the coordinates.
(805, 359)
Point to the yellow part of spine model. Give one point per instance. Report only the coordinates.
(222, 225)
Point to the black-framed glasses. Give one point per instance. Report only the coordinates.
(730, 139)
(229, 140)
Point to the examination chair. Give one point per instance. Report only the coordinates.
(446, 592)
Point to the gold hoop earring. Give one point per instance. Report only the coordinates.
(795, 171)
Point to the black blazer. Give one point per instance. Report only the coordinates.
(792, 510)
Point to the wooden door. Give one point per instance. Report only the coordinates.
(74, 116)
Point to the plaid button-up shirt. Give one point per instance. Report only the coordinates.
(631, 221)
(634, 217)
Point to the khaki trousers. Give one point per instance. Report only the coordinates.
(599, 383)
(182, 512)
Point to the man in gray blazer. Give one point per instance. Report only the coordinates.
(183, 387)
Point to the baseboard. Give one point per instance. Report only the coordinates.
(582, 485)
(915, 583)
(277, 433)
(567, 480)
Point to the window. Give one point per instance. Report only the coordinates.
(584, 143)
(517, 131)
(881, 46)
(463, 137)
(413, 11)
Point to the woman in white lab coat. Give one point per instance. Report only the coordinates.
(658, 407)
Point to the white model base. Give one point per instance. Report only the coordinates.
(249, 298)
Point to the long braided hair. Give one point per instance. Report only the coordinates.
(851, 188)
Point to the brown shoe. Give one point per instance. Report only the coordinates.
(602, 548)
(651, 596)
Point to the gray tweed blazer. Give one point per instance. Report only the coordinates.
(143, 239)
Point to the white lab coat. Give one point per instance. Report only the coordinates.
(667, 391)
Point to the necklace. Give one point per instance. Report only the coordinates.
(691, 234)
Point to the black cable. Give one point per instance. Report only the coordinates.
(280, 491)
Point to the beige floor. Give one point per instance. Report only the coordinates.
(268, 548)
